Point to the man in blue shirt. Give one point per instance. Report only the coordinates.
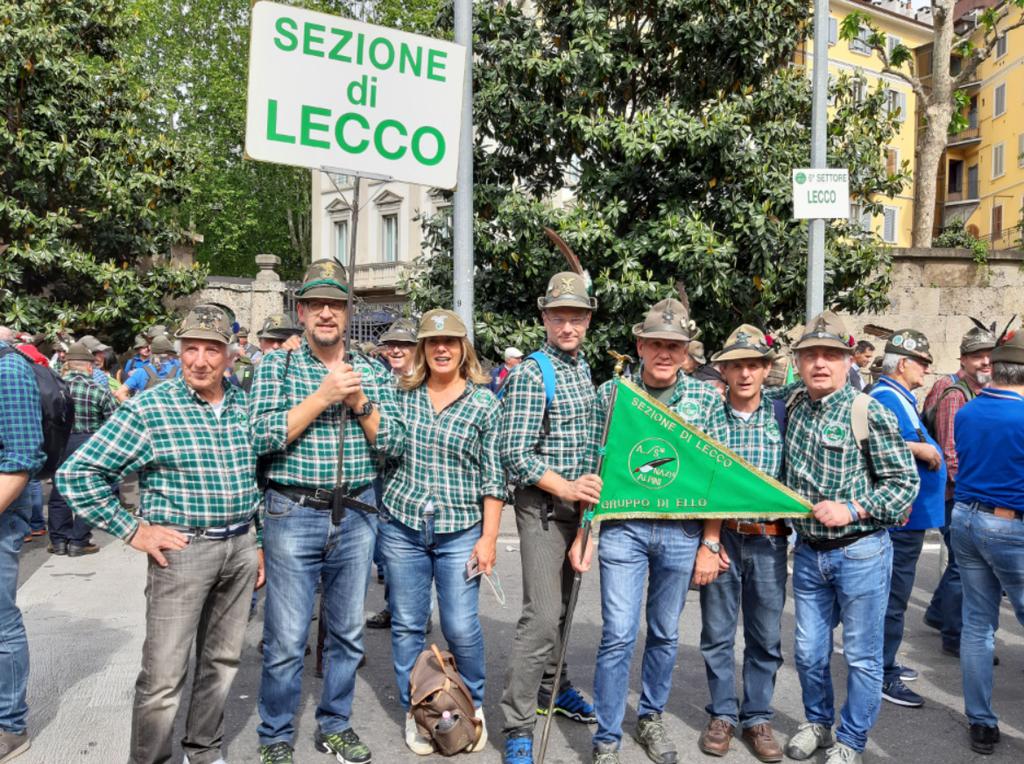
(904, 366)
(988, 527)
(164, 365)
(21, 456)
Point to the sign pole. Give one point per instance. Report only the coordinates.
(462, 222)
(819, 125)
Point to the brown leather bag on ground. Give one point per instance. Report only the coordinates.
(441, 703)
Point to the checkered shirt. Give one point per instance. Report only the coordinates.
(311, 460)
(944, 416)
(758, 439)
(195, 470)
(449, 458)
(94, 404)
(526, 451)
(821, 467)
(21, 423)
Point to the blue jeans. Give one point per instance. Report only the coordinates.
(14, 524)
(35, 492)
(991, 554)
(415, 561)
(755, 580)
(946, 606)
(848, 585)
(906, 550)
(302, 547)
(631, 553)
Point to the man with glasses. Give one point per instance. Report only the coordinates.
(904, 366)
(545, 437)
(296, 411)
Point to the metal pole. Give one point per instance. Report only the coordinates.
(462, 220)
(340, 487)
(819, 160)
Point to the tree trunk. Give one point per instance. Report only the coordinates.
(932, 146)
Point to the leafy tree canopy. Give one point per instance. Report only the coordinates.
(675, 125)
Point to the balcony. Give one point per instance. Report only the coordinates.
(379, 276)
(965, 137)
(959, 197)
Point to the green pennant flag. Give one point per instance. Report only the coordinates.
(655, 465)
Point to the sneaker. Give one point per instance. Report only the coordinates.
(907, 674)
(414, 741)
(276, 753)
(13, 745)
(650, 734)
(345, 745)
(571, 703)
(807, 739)
(716, 737)
(218, 761)
(605, 753)
(381, 620)
(841, 753)
(58, 547)
(984, 739)
(518, 750)
(481, 741)
(77, 550)
(898, 693)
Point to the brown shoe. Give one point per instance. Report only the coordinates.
(762, 740)
(715, 738)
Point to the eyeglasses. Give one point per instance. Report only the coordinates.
(317, 306)
(576, 323)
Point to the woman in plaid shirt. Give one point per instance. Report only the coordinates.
(442, 505)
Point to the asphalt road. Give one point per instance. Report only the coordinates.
(85, 624)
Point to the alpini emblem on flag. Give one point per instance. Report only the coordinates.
(653, 463)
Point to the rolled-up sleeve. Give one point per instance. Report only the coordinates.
(392, 430)
(87, 478)
(522, 417)
(268, 406)
(494, 482)
(21, 421)
(896, 481)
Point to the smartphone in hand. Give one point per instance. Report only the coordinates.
(473, 568)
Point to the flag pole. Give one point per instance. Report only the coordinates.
(574, 592)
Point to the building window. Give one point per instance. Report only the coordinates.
(1000, 106)
(859, 44)
(997, 222)
(889, 224)
(973, 191)
(389, 238)
(341, 241)
(955, 177)
(860, 217)
(892, 161)
(1020, 150)
(833, 30)
(896, 103)
(891, 42)
(1001, 45)
(997, 161)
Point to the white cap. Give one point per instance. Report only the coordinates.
(513, 353)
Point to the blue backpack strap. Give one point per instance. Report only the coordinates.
(547, 372)
(781, 415)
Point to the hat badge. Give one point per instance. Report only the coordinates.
(439, 322)
(910, 344)
(565, 284)
(742, 338)
(669, 316)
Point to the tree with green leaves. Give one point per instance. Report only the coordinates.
(674, 127)
(88, 188)
(942, 100)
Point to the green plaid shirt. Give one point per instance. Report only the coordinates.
(195, 469)
(449, 458)
(526, 450)
(311, 460)
(758, 439)
(94, 404)
(824, 462)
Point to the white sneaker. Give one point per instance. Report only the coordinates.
(479, 744)
(218, 761)
(414, 741)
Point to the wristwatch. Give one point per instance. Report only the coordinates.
(714, 546)
(366, 410)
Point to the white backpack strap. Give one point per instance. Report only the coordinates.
(859, 419)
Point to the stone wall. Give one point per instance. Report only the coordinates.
(935, 290)
(250, 300)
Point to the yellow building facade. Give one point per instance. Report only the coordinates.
(981, 181)
(894, 225)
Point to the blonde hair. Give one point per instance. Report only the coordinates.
(469, 367)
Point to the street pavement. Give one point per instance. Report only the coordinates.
(85, 622)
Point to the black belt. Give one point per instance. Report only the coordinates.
(214, 534)
(318, 498)
(1007, 513)
(827, 545)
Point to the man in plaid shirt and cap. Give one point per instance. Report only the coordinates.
(189, 441)
(297, 400)
(843, 561)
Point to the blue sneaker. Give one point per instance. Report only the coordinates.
(571, 704)
(907, 674)
(518, 750)
(898, 693)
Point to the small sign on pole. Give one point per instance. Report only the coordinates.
(821, 194)
(327, 90)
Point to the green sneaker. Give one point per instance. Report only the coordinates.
(345, 745)
(276, 753)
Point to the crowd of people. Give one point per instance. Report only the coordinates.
(300, 464)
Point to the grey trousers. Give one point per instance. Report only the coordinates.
(547, 580)
(201, 597)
